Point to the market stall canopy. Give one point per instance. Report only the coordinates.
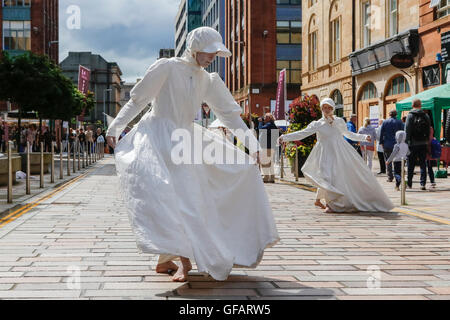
(435, 100)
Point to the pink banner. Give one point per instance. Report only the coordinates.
(84, 75)
(280, 113)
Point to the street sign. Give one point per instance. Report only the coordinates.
(402, 60)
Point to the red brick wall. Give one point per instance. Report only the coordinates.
(48, 27)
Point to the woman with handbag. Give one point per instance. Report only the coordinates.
(368, 148)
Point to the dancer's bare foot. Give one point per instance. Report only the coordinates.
(182, 273)
(328, 210)
(319, 204)
(166, 267)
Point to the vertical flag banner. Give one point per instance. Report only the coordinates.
(84, 76)
(280, 106)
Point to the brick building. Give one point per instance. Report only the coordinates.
(29, 25)
(258, 47)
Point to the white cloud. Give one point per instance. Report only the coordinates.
(128, 32)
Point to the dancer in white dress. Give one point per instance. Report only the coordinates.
(343, 179)
(216, 214)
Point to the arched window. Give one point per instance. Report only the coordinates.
(339, 102)
(312, 40)
(369, 92)
(398, 85)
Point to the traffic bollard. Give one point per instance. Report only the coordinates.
(52, 174)
(61, 175)
(296, 165)
(403, 184)
(68, 159)
(41, 176)
(10, 173)
(78, 154)
(282, 163)
(28, 185)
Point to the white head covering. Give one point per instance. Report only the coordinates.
(328, 101)
(206, 39)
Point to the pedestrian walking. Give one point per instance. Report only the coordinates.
(216, 214)
(417, 129)
(268, 135)
(399, 152)
(351, 126)
(343, 179)
(380, 150)
(388, 131)
(368, 148)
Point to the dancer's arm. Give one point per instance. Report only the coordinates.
(141, 95)
(302, 134)
(219, 98)
(348, 134)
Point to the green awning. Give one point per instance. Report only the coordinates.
(435, 100)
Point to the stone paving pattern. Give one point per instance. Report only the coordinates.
(84, 231)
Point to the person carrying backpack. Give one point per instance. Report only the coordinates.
(417, 129)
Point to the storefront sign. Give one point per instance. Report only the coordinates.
(374, 115)
(445, 45)
(402, 61)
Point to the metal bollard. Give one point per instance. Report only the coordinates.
(74, 157)
(28, 185)
(52, 174)
(41, 178)
(83, 162)
(68, 158)
(85, 154)
(282, 163)
(61, 176)
(296, 165)
(10, 173)
(402, 184)
(88, 153)
(79, 149)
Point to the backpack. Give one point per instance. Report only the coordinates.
(436, 149)
(421, 127)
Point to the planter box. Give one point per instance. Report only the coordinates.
(16, 166)
(35, 162)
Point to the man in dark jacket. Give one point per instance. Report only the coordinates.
(387, 138)
(268, 135)
(417, 129)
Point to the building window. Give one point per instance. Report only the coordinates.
(16, 3)
(293, 70)
(335, 39)
(16, 35)
(431, 76)
(365, 32)
(369, 92)
(289, 32)
(337, 98)
(313, 51)
(443, 9)
(393, 15)
(398, 85)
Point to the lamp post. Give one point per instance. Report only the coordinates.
(104, 104)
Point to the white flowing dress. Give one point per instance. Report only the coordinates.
(343, 180)
(216, 214)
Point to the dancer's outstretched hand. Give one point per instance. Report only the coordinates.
(111, 141)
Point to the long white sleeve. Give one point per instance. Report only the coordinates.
(302, 134)
(141, 95)
(340, 124)
(219, 98)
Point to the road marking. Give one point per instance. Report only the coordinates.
(424, 216)
(21, 211)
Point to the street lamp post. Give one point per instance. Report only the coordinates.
(104, 104)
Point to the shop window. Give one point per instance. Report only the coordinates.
(443, 9)
(431, 76)
(293, 70)
(398, 85)
(369, 92)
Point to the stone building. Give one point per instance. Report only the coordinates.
(326, 68)
(385, 31)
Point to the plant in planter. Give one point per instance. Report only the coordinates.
(302, 111)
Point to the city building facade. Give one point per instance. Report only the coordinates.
(260, 45)
(105, 82)
(188, 18)
(386, 33)
(326, 71)
(29, 25)
(166, 53)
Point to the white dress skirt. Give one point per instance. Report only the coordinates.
(343, 180)
(216, 214)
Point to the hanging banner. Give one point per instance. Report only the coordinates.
(84, 76)
(280, 106)
(374, 116)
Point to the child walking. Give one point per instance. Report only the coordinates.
(400, 152)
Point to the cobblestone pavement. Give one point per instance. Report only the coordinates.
(83, 233)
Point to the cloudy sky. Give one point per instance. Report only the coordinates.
(129, 32)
